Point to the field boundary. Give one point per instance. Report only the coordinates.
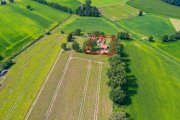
(42, 87)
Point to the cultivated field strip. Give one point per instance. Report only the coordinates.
(56, 91)
(28, 83)
(117, 12)
(84, 92)
(89, 108)
(20, 70)
(68, 100)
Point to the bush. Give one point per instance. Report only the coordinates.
(119, 116)
(117, 95)
(1, 58)
(75, 46)
(151, 39)
(63, 46)
(77, 32)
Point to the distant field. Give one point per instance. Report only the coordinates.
(117, 12)
(73, 4)
(90, 24)
(148, 25)
(102, 3)
(24, 26)
(176, 23)
(157, 76)
(171, 48)
(156, 6)
(88, 100)
(24, 79)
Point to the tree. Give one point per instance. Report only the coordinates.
(119, 116)
(28, 7)
(165, 38)
(11, 1)
(151, 39)
(85, 45)
(140, 13)
(1, 58)
(117, 95)
(177, 35)
(75, 46)
(69, 37)
(172, 38)
(77, 32)
(63, 46)
(3, 2)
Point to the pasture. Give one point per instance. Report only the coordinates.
(90, 24)
(24, 79)
(147, 25)
(119, 11)
(156, 6)
(23, 26)
(82, 92)
(157, 76)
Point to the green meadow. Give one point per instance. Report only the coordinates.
(90, 24)
(156, 95)
(102, 3)
(147, 25)
(156, 6)
(24, 26)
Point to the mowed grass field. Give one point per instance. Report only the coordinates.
(157, 76)
(72, 93)
(73, 4)
(148, 25)
(156, 6)
(24, 79)
(120, 11)
(24, 26)
(90, 24)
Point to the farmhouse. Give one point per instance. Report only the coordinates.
(104, 49)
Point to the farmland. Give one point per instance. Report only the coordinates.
(73, 4)
(87, 24)
(26, 25)
(157, 89)
(156, 6)
(117, 12)
(148, 25)
(24, 79)
(90, 95)
(49, 83)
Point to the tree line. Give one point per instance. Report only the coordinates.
(55, 5)
(173, 2)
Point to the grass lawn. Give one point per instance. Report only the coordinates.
(90, 24)
(157, 77)
(24, 26)
(73, 4)
(24, 79)
(119, 11)
(148, 25)
(156, 6)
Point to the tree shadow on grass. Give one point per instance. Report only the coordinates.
(131, 86)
